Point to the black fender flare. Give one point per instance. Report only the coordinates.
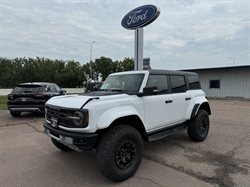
(197, 106)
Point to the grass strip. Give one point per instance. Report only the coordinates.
(3, 102)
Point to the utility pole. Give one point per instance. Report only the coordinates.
(232, 59)
(91, 60)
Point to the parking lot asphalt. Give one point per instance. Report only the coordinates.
(28, 158)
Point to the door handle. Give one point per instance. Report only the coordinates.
(188, 98)
(169, 101)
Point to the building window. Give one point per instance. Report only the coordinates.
(214, 84)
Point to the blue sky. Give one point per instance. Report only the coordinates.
(187, 34)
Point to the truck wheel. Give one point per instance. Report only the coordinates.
(199, 126)
(15, 114)
(60, 145)
(119, 153)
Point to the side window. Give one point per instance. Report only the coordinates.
(58, 89)
(52, 88)
(178, 84)
(193, 82)
(160, 81)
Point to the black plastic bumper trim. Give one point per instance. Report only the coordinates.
(88, 139)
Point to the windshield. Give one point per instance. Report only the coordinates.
(125, 82)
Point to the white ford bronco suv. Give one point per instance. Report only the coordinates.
(130, 107)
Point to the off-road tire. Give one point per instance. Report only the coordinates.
(119, 153)
(15, 114)
(60, 145)
(199, 126)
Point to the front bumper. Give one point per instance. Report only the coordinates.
(74, 140)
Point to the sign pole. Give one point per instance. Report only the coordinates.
(138, 57)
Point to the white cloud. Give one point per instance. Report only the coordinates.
(187, 34)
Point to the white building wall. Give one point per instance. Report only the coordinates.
(233, 82)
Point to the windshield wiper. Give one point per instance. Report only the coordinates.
(113, 90)
(118, 90)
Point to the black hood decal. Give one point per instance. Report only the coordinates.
(90, 99)
(100, 93)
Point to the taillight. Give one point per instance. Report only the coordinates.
(10, 96)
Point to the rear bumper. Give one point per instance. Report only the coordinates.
(74, 140)
(23, 108)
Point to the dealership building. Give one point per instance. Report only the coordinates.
(225, 82)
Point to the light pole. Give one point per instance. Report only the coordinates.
(91, 60)
(232, 59)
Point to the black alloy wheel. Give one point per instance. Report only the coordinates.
(125, 154)
(203, 126)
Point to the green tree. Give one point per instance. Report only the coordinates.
(71, 74)
(127, 64)
(58, 66)
(103, 67)
(6, 78)
(65, 73)
(17, 71)
(29, 70)
(46, 72)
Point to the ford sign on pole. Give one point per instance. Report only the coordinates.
(140, 17)
(136, 19)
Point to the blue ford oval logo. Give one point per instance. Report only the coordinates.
(140, 17)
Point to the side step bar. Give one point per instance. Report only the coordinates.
(166, 132)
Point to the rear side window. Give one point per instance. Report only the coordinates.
(28, 89)
(51, 88)
(193, 81)
(160, 81)
(178, 83)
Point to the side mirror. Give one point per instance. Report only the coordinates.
(150, 90)
(63, 92)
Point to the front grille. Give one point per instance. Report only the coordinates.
(60, 115)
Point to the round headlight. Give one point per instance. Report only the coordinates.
(78, 118)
